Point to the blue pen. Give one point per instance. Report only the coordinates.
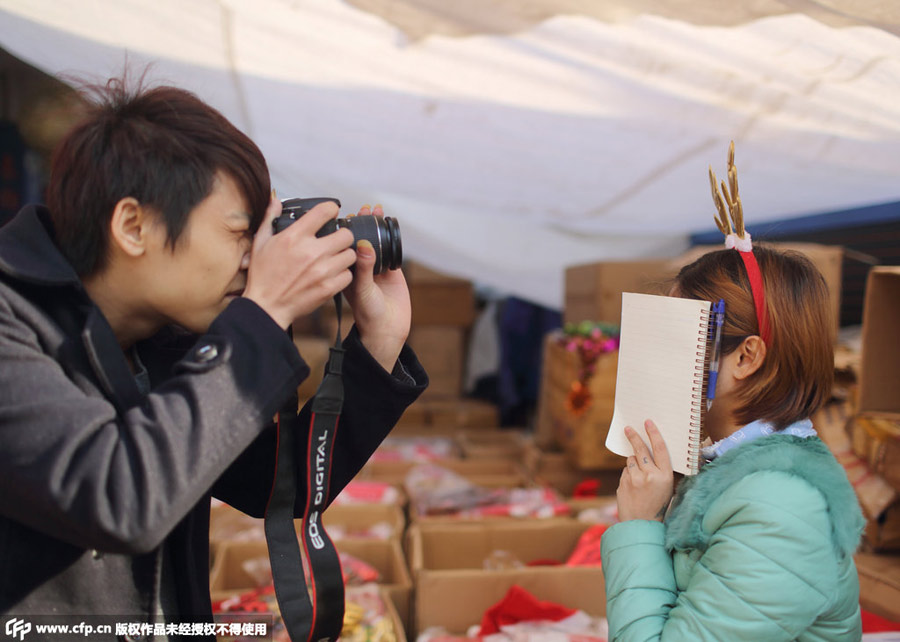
(719, 310)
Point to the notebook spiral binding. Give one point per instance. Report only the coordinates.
(698, 393)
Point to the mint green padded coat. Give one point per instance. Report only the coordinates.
(758, 546)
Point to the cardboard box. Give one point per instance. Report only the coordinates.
(230, 574)
(229, 524)
(463, 413)
(439, 299)
(388, 558)
(469, 489)
(872, 491)
(829, 259)
(314, 351)
(452, 589)
(363, 491)
(441, 349)
(488, 473)
(417, 448)
(879, 380)
(556, 470)
(876, 440)
(875, 426)
(492, 444)
(882, 534)
(350, 520)
(600, 509)
(879, 584)
(593, 292)
(582, 436)
(398, 626)
(446, 416)
(371, 597)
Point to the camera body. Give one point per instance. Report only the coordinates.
(382, 232)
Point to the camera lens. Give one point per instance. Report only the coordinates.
(396, 247)
(382, 233)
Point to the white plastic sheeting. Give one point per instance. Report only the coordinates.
(508, 157)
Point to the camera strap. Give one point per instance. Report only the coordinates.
(314, 614)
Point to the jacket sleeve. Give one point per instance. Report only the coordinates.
(80, 470)
(374, 400)
(768, 570)
(640, 580)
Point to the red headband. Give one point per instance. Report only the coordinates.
(759, 295)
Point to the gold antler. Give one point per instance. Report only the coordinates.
(728, 201)
(721, 219)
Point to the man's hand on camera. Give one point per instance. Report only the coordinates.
(292, 273)
(380, 303)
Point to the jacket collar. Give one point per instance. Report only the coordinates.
(27, 250)
(754, 430)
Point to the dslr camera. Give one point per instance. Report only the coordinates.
(382, 232)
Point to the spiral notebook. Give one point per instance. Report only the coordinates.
(662, 375)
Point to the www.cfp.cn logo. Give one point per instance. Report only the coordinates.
(17, 628)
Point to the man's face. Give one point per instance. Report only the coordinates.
(191, 285)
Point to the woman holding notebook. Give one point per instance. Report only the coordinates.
(759, 544)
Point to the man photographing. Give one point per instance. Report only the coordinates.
(142, 336)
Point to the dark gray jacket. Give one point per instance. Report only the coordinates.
(98, 479)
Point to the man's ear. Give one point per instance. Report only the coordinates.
(129, 226)
(750, 356)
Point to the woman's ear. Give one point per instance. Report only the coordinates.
(128, 227)
(749, 357)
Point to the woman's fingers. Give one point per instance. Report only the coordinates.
(660, 452)
(646, 485)
(642, 456)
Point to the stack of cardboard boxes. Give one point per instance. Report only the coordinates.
(438, 571)
(875, 437)
(453, 588)
(462, 566)
(370, 533)
(443, 311)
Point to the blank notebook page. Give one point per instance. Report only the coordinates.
(662, 339)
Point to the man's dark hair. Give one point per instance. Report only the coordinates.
(162, 146)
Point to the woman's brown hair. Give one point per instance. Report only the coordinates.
(796, 376)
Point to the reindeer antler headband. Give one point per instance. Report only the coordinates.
(730, 210)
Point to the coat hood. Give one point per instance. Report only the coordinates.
(28, 253)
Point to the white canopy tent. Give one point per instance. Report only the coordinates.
(512, 139)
